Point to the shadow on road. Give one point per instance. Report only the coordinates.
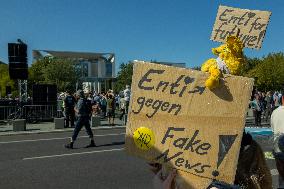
(112, 144)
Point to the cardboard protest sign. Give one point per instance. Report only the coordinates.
(174, 120)
(252, 25)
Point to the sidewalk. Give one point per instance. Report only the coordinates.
(49, 127)
(250, 122)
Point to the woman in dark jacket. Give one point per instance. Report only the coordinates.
(252, 170)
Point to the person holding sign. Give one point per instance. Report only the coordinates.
(161, 182)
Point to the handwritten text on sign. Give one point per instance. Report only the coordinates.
(192, 144)
(178, 88)
(195, 145)
(252, 25)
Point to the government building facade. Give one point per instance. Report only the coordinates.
(96, 70)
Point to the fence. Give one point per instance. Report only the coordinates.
(39, 112)
(5, 111)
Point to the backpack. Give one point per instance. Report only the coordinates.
(69, 101)
(103, 101)
(110, 103)
(88, 105)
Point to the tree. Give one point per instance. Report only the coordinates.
(249, 64)
(124, 76)
(60, 72)
(37, 69)
(269, 73)
(6, 81)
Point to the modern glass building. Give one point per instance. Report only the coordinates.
(96, 70)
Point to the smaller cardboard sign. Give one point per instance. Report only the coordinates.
(251, 23)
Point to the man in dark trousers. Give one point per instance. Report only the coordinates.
(69, 103)
(83, 111)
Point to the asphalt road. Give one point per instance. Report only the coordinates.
(41, 161)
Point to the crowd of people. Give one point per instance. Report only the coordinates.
(263, 104)
(84, 106)
(105, 105)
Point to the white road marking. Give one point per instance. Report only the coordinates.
(48, 139)
(274, 172)
(72, 154)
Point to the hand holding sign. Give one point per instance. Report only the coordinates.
(161, 182)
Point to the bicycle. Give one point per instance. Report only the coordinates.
(29, 114)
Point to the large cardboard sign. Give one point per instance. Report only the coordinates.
(174, 120)
(251, 23)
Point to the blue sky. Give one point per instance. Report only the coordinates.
(162, 30)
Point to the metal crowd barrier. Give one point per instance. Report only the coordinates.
(5, 111)
(41, 112)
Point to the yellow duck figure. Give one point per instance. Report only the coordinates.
(230, 60)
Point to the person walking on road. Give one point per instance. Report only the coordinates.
(83, 111)
(69, 103)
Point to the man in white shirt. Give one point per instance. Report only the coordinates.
(277, 125)
(127, 94)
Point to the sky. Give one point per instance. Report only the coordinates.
(162, 30)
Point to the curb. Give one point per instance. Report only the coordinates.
(11, 133)
(58, 131)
